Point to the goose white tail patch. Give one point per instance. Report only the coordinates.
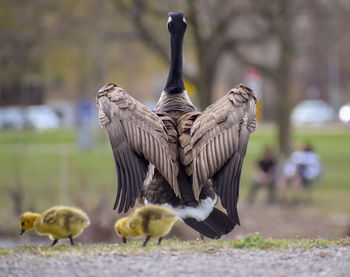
(200, 213)
(150, 174)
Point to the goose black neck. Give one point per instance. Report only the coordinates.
(175, 83)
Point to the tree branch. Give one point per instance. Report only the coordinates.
(225, 21)
(148, 37)
(137, 11)
(268, 71)
(193, 19)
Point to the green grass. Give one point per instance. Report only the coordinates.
(41, 163)
(331, 144)
(36, 161)
(30, 136)
(253, 241)
(48, 166)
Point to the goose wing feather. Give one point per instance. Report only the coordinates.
(138, 137)
(213, 144)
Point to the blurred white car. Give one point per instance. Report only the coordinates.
(12, 117)
(344, 113)
(41, 117)
(312, 112)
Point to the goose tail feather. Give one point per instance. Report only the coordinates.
(214, 226)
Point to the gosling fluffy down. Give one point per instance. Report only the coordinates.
(58, 222)
(152, 221)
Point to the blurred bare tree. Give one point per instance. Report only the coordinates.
(71, 48)
(55, 46)
(213, 26)
(236, 27)
(19, 53)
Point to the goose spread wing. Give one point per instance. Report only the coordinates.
(213, 144)
(138, 137)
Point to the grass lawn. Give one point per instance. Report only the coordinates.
(332, 144)
(206, 246)
(47, 168)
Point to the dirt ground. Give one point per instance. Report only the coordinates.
(303, 221)
(276, 221)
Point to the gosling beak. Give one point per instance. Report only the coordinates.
(22, 231)
(124, 240)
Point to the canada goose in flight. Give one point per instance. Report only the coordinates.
(195, 156)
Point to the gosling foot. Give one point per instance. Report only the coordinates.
(146, 240)
(71, 240)
(54, 242)
(159, 240)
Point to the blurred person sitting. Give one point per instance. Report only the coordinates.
(301, 170)
(264, 176)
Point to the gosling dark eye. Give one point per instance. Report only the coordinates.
(22, 223)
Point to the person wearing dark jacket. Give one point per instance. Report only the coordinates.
(264, 176)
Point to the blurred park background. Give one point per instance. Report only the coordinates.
(55, 55)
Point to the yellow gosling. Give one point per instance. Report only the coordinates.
(58, 222)
(152, 221)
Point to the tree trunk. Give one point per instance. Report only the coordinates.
(204, 86)
(282, 81)
(207, 63)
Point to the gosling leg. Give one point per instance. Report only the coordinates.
(159, 240)
(146, 240)
(54, 242)
(124, 240)
(71, 240)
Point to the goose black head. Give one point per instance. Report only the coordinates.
(176, 23)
